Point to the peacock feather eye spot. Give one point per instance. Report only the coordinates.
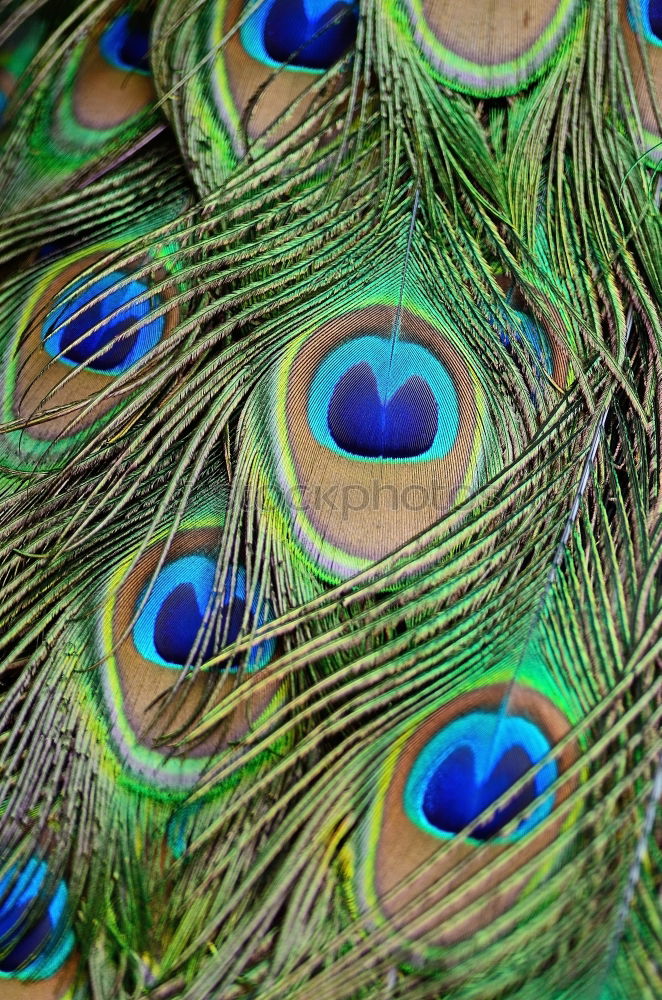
(471, 763)
(305, 34)
(379, 426)
(125, 42)
(461, 810)
(362, 423)
(35, 939)
(171, 626)
(92, 333)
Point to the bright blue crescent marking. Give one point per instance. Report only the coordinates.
(125, 44)
(179, 827)
(55, 942)
(465, 756)
(177, 834)
(536, 337)
(294, 32)
(196, 573)
(538, 341)
(75, 348)
(408, 361)
(645, 17)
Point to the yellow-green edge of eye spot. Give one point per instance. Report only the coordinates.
(223, 135)
(551, 38)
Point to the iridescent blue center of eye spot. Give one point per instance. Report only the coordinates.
(307, 35)
(645, 17)
(125, 42)
(4, 100)
(25, 946)
(35, 936)
(470, 764)
(172, 627)
(367, 401)
(70, 335)
(655, 18)
(362, 423)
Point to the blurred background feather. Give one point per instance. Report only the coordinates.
(330, 500)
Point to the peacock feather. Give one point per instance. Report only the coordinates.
(330, 517)
(88, 104)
